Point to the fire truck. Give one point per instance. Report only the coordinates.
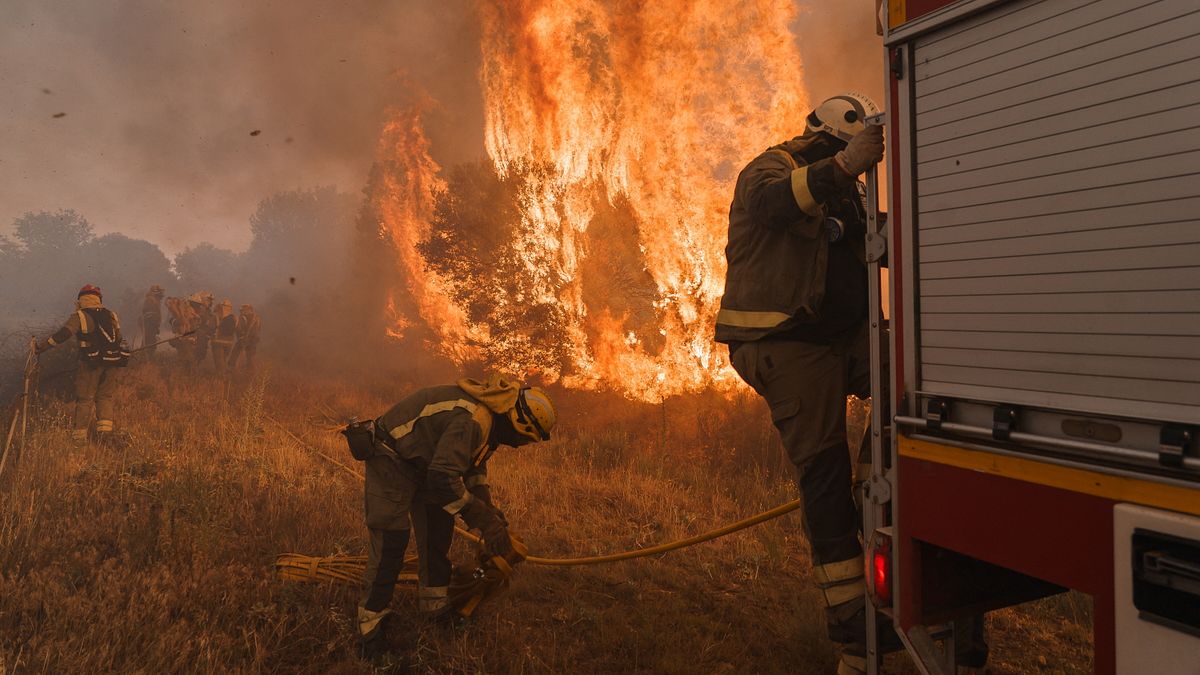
(1039, 382)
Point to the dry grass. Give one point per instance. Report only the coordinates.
(157, 557)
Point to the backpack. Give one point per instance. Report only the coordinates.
(100, 337)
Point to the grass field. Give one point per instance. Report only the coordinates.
(156, 557)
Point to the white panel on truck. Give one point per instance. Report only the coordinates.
(1156, 559)
(1057, 165)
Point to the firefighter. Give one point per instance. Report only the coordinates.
(794, 316)
(151, 318)
(426, 462)
(101, 351)
(183, 321)
(249, 328)
(206, 323)
(224, 336)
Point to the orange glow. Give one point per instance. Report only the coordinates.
(652, 107)
(405, 202)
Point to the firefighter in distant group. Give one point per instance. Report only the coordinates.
(183, 321)
(224, 336)
(206, 324)
(151, 318)
(426, 461)
(794, 315)
(249, 329)
(101, 351)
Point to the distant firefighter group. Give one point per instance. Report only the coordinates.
(198, 327)
(103, 350)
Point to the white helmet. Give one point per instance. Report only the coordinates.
(842, 116)
(533, 416)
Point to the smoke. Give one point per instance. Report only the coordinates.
(180, 117)
(173, 122)
(840, 49)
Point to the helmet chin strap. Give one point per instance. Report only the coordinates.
(524, 412)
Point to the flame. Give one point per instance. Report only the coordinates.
(649, 107)
(405, 202)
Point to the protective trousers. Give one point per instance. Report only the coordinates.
(806, 385)
(393, 499)
(95, 385)
(240, 348)
(150, 333)
(220, 354)
(200, 348)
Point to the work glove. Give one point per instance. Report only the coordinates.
(519, 550)
(483, 493)
(864, 151)
(480, 516)
(40, 347)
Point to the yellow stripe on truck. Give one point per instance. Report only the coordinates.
(1116, 488)
(897, 12)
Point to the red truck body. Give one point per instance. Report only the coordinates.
(1044, 245)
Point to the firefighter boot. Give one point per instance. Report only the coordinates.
(853, 661)
(79, 437)
(372, 640)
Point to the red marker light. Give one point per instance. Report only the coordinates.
(881, 569)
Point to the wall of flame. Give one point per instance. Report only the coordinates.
(654, 105)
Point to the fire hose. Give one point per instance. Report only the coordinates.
(349, 569)
(57, 373)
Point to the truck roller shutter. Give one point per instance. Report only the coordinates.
(1058, 207)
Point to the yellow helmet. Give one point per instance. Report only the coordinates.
(533, 416)
(842, 116)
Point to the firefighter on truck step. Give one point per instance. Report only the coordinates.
(794, 315)
(101, 352)
(426, 462)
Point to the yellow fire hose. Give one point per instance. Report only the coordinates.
(349, 569)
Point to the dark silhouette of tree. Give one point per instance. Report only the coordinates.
(51, 255)
(302, 238)
(45, 232)
(472, 244)
(47, 263)
(125, 268)
(205, 267)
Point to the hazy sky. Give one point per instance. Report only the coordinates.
(160, 99)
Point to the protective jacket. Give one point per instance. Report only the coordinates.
(781, 262)
(97, 329)
(152, 311)
(226, 330)
(206, 325)
(249, 327)
(442, 433)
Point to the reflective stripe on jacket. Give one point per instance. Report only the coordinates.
(443, 431)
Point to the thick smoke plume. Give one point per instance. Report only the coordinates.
(161, 101)
(542, 183)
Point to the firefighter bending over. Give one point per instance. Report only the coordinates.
(426, 461)
(794, 315)
(101, 351)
